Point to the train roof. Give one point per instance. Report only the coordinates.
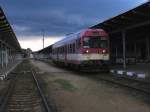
(72, 37)
(68, 38)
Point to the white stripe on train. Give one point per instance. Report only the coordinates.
(81, 57)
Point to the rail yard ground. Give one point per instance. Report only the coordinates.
(78, 92)
(70, 91)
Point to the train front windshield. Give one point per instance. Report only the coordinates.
(94, 42)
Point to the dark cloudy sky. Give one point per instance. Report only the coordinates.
(59, 17)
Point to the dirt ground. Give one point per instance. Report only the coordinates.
(72, 92)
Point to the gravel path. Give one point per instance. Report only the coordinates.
(72, 92)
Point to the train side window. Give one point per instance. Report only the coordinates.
(59, 50)
(78, 43)
(67, 48)
(73, 48)
(63, 49)
(70, 48)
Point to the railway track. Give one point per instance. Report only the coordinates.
(134, 84)
(25, 95)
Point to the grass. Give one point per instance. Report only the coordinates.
(65, 84)
(24, 65)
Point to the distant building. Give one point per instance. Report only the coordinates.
(27, 53)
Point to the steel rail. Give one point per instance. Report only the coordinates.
(48, 109)
(137, 80)
(125, 85)
(11, 86)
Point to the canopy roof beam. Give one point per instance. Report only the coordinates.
(132, 26)
(140, 14)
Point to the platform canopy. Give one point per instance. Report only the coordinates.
(7, 34)
(129, 34)
(137, 17)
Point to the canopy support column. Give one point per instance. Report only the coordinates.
(124, 48)
(135, 51)
(148, 49)
(1, 54)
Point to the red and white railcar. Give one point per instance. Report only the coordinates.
(85, 49)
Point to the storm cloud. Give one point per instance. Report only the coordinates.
(59, 17)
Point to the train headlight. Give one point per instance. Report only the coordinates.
(104, 51)
(87, 51)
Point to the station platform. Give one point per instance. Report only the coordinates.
(6, 70)
(140, 70)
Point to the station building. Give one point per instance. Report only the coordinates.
(10, 50)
